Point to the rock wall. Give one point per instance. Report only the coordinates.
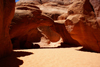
(23, 29)
(96, 6)
(80, 22)
(7, 8)
(84, 27)
(61, 30)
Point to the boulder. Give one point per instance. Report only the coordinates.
(83, 27)
(87, 34)
(23, 29)
(7, 9)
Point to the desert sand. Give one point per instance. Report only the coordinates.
(52, 57)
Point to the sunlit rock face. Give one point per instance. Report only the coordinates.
(80, 23)
(27, 19)
(96, 6)
(7, 8)
(81, 27)
(87, 34)
(84, 28)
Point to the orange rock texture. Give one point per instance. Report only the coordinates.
(23, 29)
(79, 19)
(86, 29)
(7, 8)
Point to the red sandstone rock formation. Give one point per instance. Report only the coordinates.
(52, 9)
(7, 8)
(23, 30)
(85, 30)
(81, 25)
(60, 29)
(86, 35)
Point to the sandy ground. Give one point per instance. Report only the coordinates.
(52, 57)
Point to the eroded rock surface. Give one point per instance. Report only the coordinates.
(52, 35)
(81, 27)
(53, 9)
(23, 30)
(7, 8)
(60, 29)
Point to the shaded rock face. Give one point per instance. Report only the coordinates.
(61, 30)
(96, 6)
(26, 41)
(23, 29)
(86, 35)
(52, 35)
(7, 8)
(87, 7)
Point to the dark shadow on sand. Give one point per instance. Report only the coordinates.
(82, 49)
(12, 60)
(86, 50)
(64, 45)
